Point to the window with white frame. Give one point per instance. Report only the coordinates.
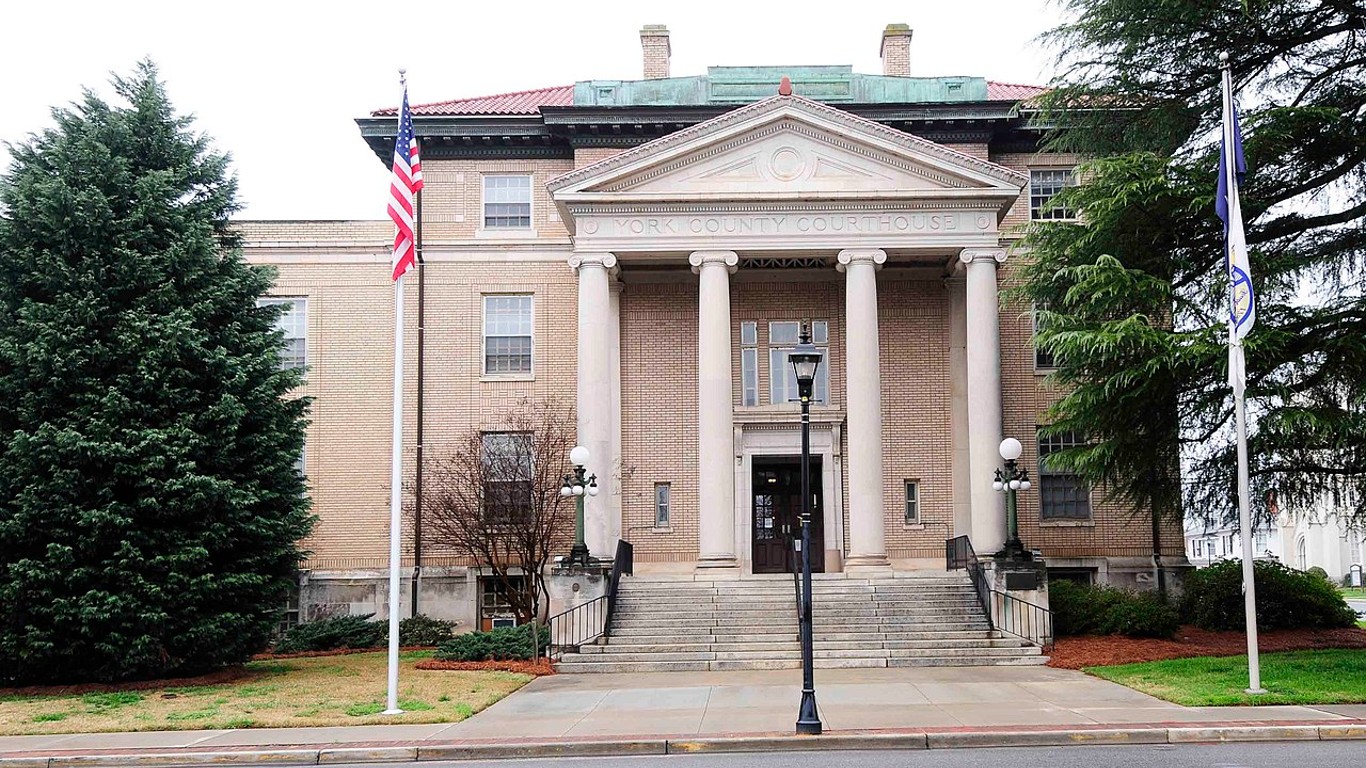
(1063, 495)
(507, 476)
(912, 502)
(507, 334)
(783, 337)
(1196, 548)
(507, 202)
(1044, 183)
(1259, 542)
(1302, 554)
(749, 363)
(661, 505)
(293, 322)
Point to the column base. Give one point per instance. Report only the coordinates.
(717, 563)
(867, 564)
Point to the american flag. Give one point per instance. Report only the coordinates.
(403, 190)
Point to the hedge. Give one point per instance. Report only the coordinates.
(502, 644)
(1286, 598)
(336, 632)
(1083, 609)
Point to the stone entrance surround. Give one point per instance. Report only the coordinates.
(791, 178)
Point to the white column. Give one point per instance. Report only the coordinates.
(863, 403)
(958, 399)
(613, 488)
(595, 391)
(984, 397)
(715, 410)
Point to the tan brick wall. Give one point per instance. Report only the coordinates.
(1018, 215)
(452, 198)
(589, 155)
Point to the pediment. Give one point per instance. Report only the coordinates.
(786, 147)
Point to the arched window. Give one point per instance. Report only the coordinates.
(1301, 555)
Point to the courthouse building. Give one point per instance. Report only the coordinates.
(644, 252)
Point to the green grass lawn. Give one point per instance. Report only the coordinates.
(1298, 677)
(326, 690)
(1358, 593)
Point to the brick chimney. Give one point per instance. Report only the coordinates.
(654, 40)
(896, 50)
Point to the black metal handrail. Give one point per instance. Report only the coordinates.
(1004, 612)
(1023, 619)
(588, 621)
(958, 554)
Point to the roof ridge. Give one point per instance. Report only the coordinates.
(446, 102)
(1018, 85)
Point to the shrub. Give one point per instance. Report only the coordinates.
(1314, 570)
(502, 644)
(424, 630)
(1082, 609)
(1286, 598)
(334, 633)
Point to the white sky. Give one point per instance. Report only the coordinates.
(279, 84)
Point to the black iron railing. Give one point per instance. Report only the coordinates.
(591, 620)
(958, 554)
(1023, 619)
(1005, 612)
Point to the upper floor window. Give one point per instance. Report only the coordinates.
(1063, 495)
(749, 363)
(1043, 359)
(1043, 185)
(507, 476)
(507, 334)
(783, 337)
(507, 202)
(293, 321)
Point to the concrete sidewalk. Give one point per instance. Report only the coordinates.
(604, 712)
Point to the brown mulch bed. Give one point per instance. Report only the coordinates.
(335, 652)
(1101, 651)
(217, 677)
(538, 668)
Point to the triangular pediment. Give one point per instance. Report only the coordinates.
(783, 147)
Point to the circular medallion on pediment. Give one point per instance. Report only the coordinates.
(590, 227)
(786, 163)
(983, 222)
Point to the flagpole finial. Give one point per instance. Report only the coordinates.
(403, 75)
(1223, 58)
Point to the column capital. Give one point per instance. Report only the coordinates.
(875, 256)
(590, 259)
(982, 255)
(698, 259)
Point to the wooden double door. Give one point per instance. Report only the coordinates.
(776, 508)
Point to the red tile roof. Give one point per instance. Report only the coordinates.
(530, 102)
(1012, 91)
(515, 103)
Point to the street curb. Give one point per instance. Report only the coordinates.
(1193, 733)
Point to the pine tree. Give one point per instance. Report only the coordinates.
(150, 508)
(1134, 295)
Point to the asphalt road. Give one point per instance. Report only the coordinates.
(1244, 755)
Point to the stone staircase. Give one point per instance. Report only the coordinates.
(676, 623)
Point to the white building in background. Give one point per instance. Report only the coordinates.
(1318, 536)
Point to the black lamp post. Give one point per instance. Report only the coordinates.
(805, 360)
(579, 484)
(1010, 479)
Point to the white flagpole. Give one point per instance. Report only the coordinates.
(396, 500)
(1237, 375)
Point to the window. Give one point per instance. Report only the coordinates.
(507, 335)
(782, 380)
(495, 608)
(1259, 543)
(912, 502)
(293, 321)
(1301, 555)
(1043, 185)
(1043, 360)
(1062, 494)
(661, 505)
(507, 476)
(749, 363)
(1196, 547)
(507, 202)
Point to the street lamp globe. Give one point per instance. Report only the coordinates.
(566, 491)
(998, 486)
(579, 456)
(1011, 449)
(593, 487)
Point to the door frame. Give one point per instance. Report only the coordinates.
(792, 464)
(765, 436)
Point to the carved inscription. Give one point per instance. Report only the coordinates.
(786, 224)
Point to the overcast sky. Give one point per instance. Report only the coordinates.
(279, 84)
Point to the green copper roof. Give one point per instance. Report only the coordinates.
(743, 85)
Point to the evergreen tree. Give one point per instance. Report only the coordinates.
(1134, 295)
(150, 508)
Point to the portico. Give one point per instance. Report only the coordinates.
(780, 194)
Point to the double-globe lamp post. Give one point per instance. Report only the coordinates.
(579, 484)
(805, 360)
(1008, 480)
